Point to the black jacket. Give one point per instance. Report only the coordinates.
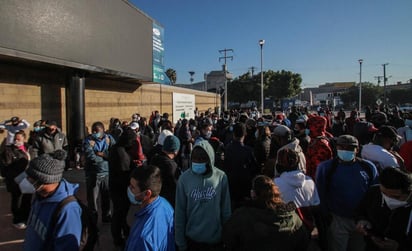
(254, 227)
(391, 224)
(170, 173)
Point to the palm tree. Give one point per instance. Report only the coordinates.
(171, 74)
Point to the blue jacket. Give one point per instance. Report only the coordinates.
(153, 228)
(67, 232)
(96, 164)
(347, 186)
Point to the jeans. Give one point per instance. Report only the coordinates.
(343, 235)
(96, 185)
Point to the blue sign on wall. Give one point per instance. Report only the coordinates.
(159, 75)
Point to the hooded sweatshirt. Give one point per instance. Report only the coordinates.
(255, 227)
(318, 149)
(295, 146)
(67, 232)
(295, 186)
(202, 204)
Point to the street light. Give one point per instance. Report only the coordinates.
(261, 43)
(360, 85)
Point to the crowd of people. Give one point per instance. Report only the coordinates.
(306, 180)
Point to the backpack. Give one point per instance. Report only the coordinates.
(90, 232)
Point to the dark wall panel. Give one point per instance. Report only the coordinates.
(108, 34)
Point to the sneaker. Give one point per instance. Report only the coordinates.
(20, 225)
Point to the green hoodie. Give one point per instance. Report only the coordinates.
(202, 204)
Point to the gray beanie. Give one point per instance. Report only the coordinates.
(47, 168)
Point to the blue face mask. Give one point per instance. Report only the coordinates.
(198, 168)
(37, 129)
(307, 132)
(408, 122)
(346, 156)
(208, 135)
(97, 135)
(132, 197)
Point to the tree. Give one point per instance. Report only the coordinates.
(278, 85)
(370, 93)
(171, 74)
(282, 84)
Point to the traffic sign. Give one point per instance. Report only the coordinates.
(379, 101)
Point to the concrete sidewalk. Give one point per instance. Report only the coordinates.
(12, 239)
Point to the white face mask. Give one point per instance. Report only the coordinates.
(393, 203)
(26, 187)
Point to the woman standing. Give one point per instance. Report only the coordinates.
(14, 160)
(266, 222)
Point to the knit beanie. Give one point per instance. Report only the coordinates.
(171, 144)
(47, 168)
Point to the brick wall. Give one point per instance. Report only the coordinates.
(35, 94)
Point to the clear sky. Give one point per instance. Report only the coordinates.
(320, 39)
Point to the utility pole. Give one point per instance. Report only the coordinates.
(360, 85)
(384, 83)
(379, 79)
(224, 51)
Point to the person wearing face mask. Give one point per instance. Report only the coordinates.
(96, 148)
(342, 182)
(49, 140)
(153, 228)
(45, 175)
(13, 161)
(38, 126)
(202, 203)
(384, 216)
(12, 126)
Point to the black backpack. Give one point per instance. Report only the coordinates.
(90, 231)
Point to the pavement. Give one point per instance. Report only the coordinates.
(11, 239)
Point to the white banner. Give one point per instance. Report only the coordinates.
(183, 106)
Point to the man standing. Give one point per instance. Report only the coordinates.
(44, 174)
(153, 228)
(342, 182)
(168, 167)
(49, 140)
(240, 166)
(202, 203)
(380, 151)
(96, 148)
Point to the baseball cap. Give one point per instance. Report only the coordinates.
(282, 131)
(134, 125)
(388, 131)
(347, 140)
